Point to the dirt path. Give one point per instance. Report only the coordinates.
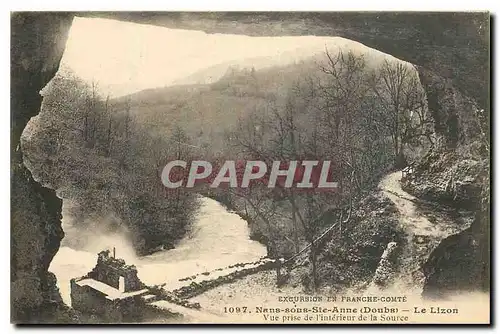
(424, 231)
(412, 219)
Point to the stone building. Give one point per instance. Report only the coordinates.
(112, 290)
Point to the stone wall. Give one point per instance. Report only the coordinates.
(92, 302)
(88, 300)
(196, 288)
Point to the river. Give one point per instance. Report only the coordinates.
(217, 239)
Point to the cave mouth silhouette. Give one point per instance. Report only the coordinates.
(85, 23)
(37, 45)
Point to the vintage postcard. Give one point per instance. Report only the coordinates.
(250, 167)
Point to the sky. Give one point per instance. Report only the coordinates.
(125, 57)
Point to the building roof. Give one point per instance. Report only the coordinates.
(110, 292)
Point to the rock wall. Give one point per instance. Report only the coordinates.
(452, 45)
(37, 45)
(456, 172)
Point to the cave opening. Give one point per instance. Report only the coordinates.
(53, 212)
(114, 60)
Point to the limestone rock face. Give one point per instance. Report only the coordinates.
(37, 46)
(461, 262)
(446, 177)
(456, 172)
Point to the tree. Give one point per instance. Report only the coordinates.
(286, 133)
(109, 132)
(342, 90)
(181, 142)
(127, 131)
(398, 89)
(91, 115)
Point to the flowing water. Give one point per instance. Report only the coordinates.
(218, 238)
